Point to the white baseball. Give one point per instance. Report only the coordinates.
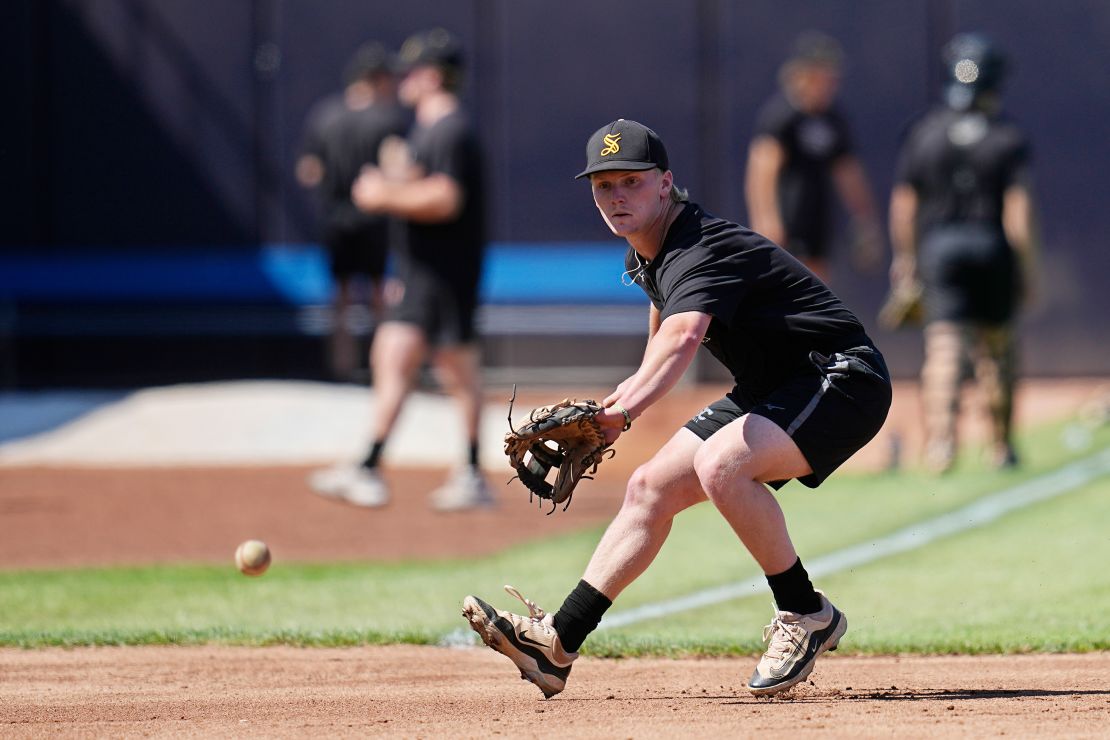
(252, 558)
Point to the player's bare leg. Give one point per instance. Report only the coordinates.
(732, 467)
(344, 355)
(396, 355)
(458, 369)
(657, 491)
(376, 299)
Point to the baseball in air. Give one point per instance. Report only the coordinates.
(252, 558)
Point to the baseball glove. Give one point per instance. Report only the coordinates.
(564, 436)
(902, 307)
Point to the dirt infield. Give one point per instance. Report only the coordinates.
(442, 692)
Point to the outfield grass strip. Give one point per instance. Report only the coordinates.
(976, 514)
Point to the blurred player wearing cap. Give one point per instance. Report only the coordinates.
(802, 142)
(811, 389)
(435, 184)
(343, 133)
(961, 221)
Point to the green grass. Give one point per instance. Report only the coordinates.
(1035, 580)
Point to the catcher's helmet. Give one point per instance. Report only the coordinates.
(973, 66)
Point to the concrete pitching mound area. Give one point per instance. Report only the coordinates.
(184, 474)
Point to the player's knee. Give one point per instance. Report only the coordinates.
(719, 474)
(645, 496)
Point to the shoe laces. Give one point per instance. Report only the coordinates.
(535, 613)
(783, 635)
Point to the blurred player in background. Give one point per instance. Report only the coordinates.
(811, 389)
(801, 143)
(435, 184)
(962, 223)
(342, 134)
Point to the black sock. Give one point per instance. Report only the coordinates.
(474, 454)
(793, 592)
(374, 455)
(579, 615)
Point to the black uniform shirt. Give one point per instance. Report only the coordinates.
(768, 310)
(344, 140)
(451, 249)
(811, 144)
(960, 164)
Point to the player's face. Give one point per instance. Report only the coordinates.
(631, 201)
(417, 84)
(816, 87)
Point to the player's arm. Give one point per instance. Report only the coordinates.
(903, 234)
(309, 170)
(766, 158)
(653, 321)
(854, 190)
(669, 352)
(433, 199)
(1019, 222)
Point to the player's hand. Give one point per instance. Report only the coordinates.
(612, 424)
(309, 171)
(903, 271)
(612, 397)
(370, 190)
(395, 160)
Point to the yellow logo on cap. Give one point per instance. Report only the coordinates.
(612, 144)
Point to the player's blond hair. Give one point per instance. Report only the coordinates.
(679, 195)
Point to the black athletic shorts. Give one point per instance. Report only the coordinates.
(970, 273)
(444, 308)
(357, 250)
(830, 413)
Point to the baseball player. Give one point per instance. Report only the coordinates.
(802, 142)
(810, 389)
(435, 184)
(343, 133)
(961, 220)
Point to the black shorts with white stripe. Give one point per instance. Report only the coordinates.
(830, 413)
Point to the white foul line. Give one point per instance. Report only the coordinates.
(982, 511)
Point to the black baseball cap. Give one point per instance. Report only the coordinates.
(368, 60)
(624, 145)
(816, 48)
(436, 47)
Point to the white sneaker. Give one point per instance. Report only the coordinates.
(464, 489)
(368, 489)
(531, 642)
(334, 480)
(353, 483)
(794, 641)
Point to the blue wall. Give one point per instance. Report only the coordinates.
(176, 122)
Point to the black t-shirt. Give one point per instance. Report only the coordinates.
(960, 165)
(768, 310)
(345, 140)
(451, 249)
(811, 144)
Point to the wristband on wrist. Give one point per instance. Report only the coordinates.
(627, 416)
